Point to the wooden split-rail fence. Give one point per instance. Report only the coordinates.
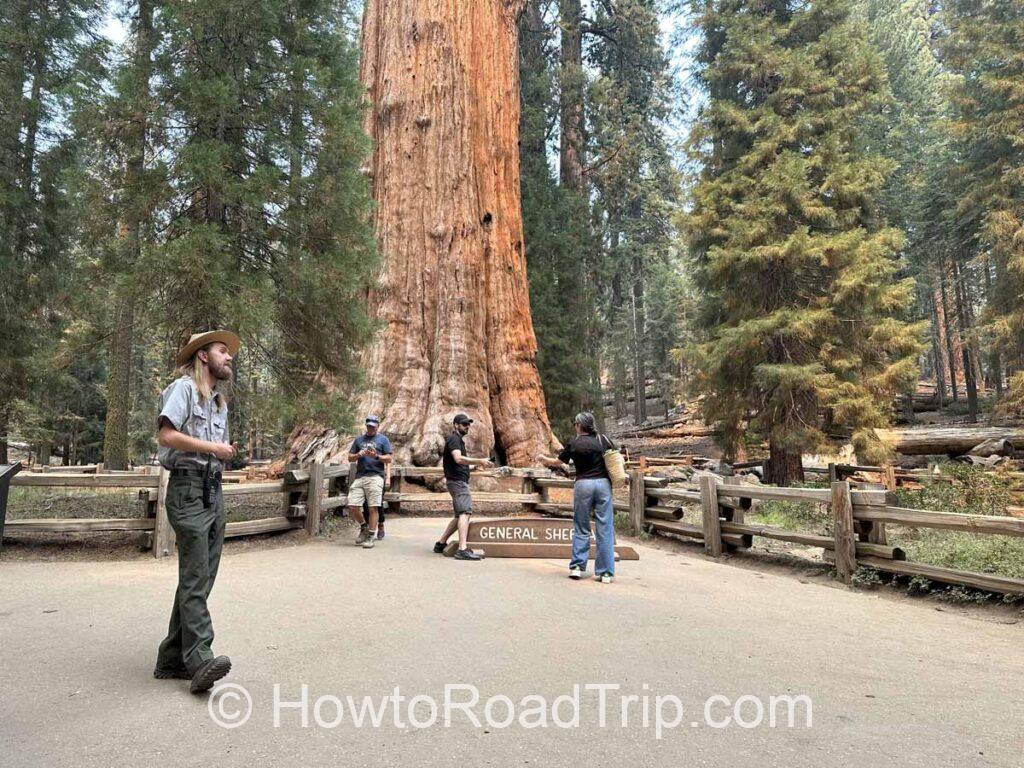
(859, 515)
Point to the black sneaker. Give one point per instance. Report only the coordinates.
(467, 554)
(439, 547)
(179, 673)
(209, 673)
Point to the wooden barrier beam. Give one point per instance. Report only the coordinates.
(769, 493)
(81, 524)
(660, 512)
(482, 497)
(922, 518)
(332, 503)
(263, 525)
(990, 582)
(674, 494)
(48, 480)
(811, 540)
(553, 482)
(248, 488)
(566, 506)
(696, 532)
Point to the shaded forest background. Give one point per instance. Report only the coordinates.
(793, 210)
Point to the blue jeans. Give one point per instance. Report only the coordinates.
(593, 496)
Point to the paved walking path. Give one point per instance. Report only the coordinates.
(893, 683)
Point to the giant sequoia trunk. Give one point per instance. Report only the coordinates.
(443, 84)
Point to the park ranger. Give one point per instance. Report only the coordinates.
(193, 437)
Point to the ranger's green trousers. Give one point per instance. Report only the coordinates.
(200, 532)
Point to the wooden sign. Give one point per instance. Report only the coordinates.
(529, 537)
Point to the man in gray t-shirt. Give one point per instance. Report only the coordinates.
(192, 432)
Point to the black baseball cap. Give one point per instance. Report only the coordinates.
(461, 418)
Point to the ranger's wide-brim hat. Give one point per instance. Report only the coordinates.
(199, 340)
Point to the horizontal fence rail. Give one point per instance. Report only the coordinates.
(859, 515)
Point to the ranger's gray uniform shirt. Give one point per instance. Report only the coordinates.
(180, 405)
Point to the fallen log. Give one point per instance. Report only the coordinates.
(999, 446)
(683, 430)
(955, 441)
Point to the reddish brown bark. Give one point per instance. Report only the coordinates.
(442, 80)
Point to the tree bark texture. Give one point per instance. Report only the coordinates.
(785, 466)
(443, 86)
(571, 93)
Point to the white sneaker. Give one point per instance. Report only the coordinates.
(575, 573)
(605, 578)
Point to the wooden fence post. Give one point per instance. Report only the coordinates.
(842, 525)
(163, 533)
(709, 507)
(314, 496)
(637, 500)
(529, 486)
(396, 488)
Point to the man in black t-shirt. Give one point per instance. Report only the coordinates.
(457, 466)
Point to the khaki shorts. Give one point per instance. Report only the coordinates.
(462, 502)
(369, 489)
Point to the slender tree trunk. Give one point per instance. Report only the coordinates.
(937, 358)
(947, 327)
(619, 375)
(443, 86)
(967, 294)
(30, 124)
(571, 154)
(116, 435)
(116, 444)
(965, 347)
(639, 363)
(4, 421)
(995, 358)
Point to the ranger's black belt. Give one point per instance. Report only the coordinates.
(211, 480)
(200, 473)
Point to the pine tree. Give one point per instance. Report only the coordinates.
(635, 183)
(560, 251)
(267, 224)
(50, 54)
(983, 48)
(801, 299)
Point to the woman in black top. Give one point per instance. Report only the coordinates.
(591, 494)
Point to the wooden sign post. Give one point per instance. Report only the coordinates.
(540, 537)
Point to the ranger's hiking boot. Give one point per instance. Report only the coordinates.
(180, 673)
(364, 534)
(209, 673)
